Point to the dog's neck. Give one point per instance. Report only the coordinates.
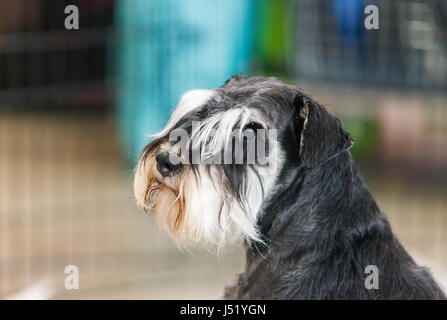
(312, 206)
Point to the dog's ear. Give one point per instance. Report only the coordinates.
(322, 136)
(235, 78)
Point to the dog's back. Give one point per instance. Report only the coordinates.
(332, 243)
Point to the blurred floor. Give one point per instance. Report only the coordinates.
(66, 198)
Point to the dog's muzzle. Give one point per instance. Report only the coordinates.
(168, 163)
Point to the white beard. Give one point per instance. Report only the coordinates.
(212, 218)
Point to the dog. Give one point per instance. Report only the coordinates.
(310, 226)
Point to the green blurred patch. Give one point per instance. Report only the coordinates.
(365, 130)
(274, 34)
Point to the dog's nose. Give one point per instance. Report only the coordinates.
(167, 163)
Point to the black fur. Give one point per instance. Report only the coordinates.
(322, 226)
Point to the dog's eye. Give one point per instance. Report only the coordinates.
(251, 128)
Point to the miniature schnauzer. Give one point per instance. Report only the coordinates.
(258, 160)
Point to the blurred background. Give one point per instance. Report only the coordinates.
(76, 105)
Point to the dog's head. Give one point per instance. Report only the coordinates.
(209, 171)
